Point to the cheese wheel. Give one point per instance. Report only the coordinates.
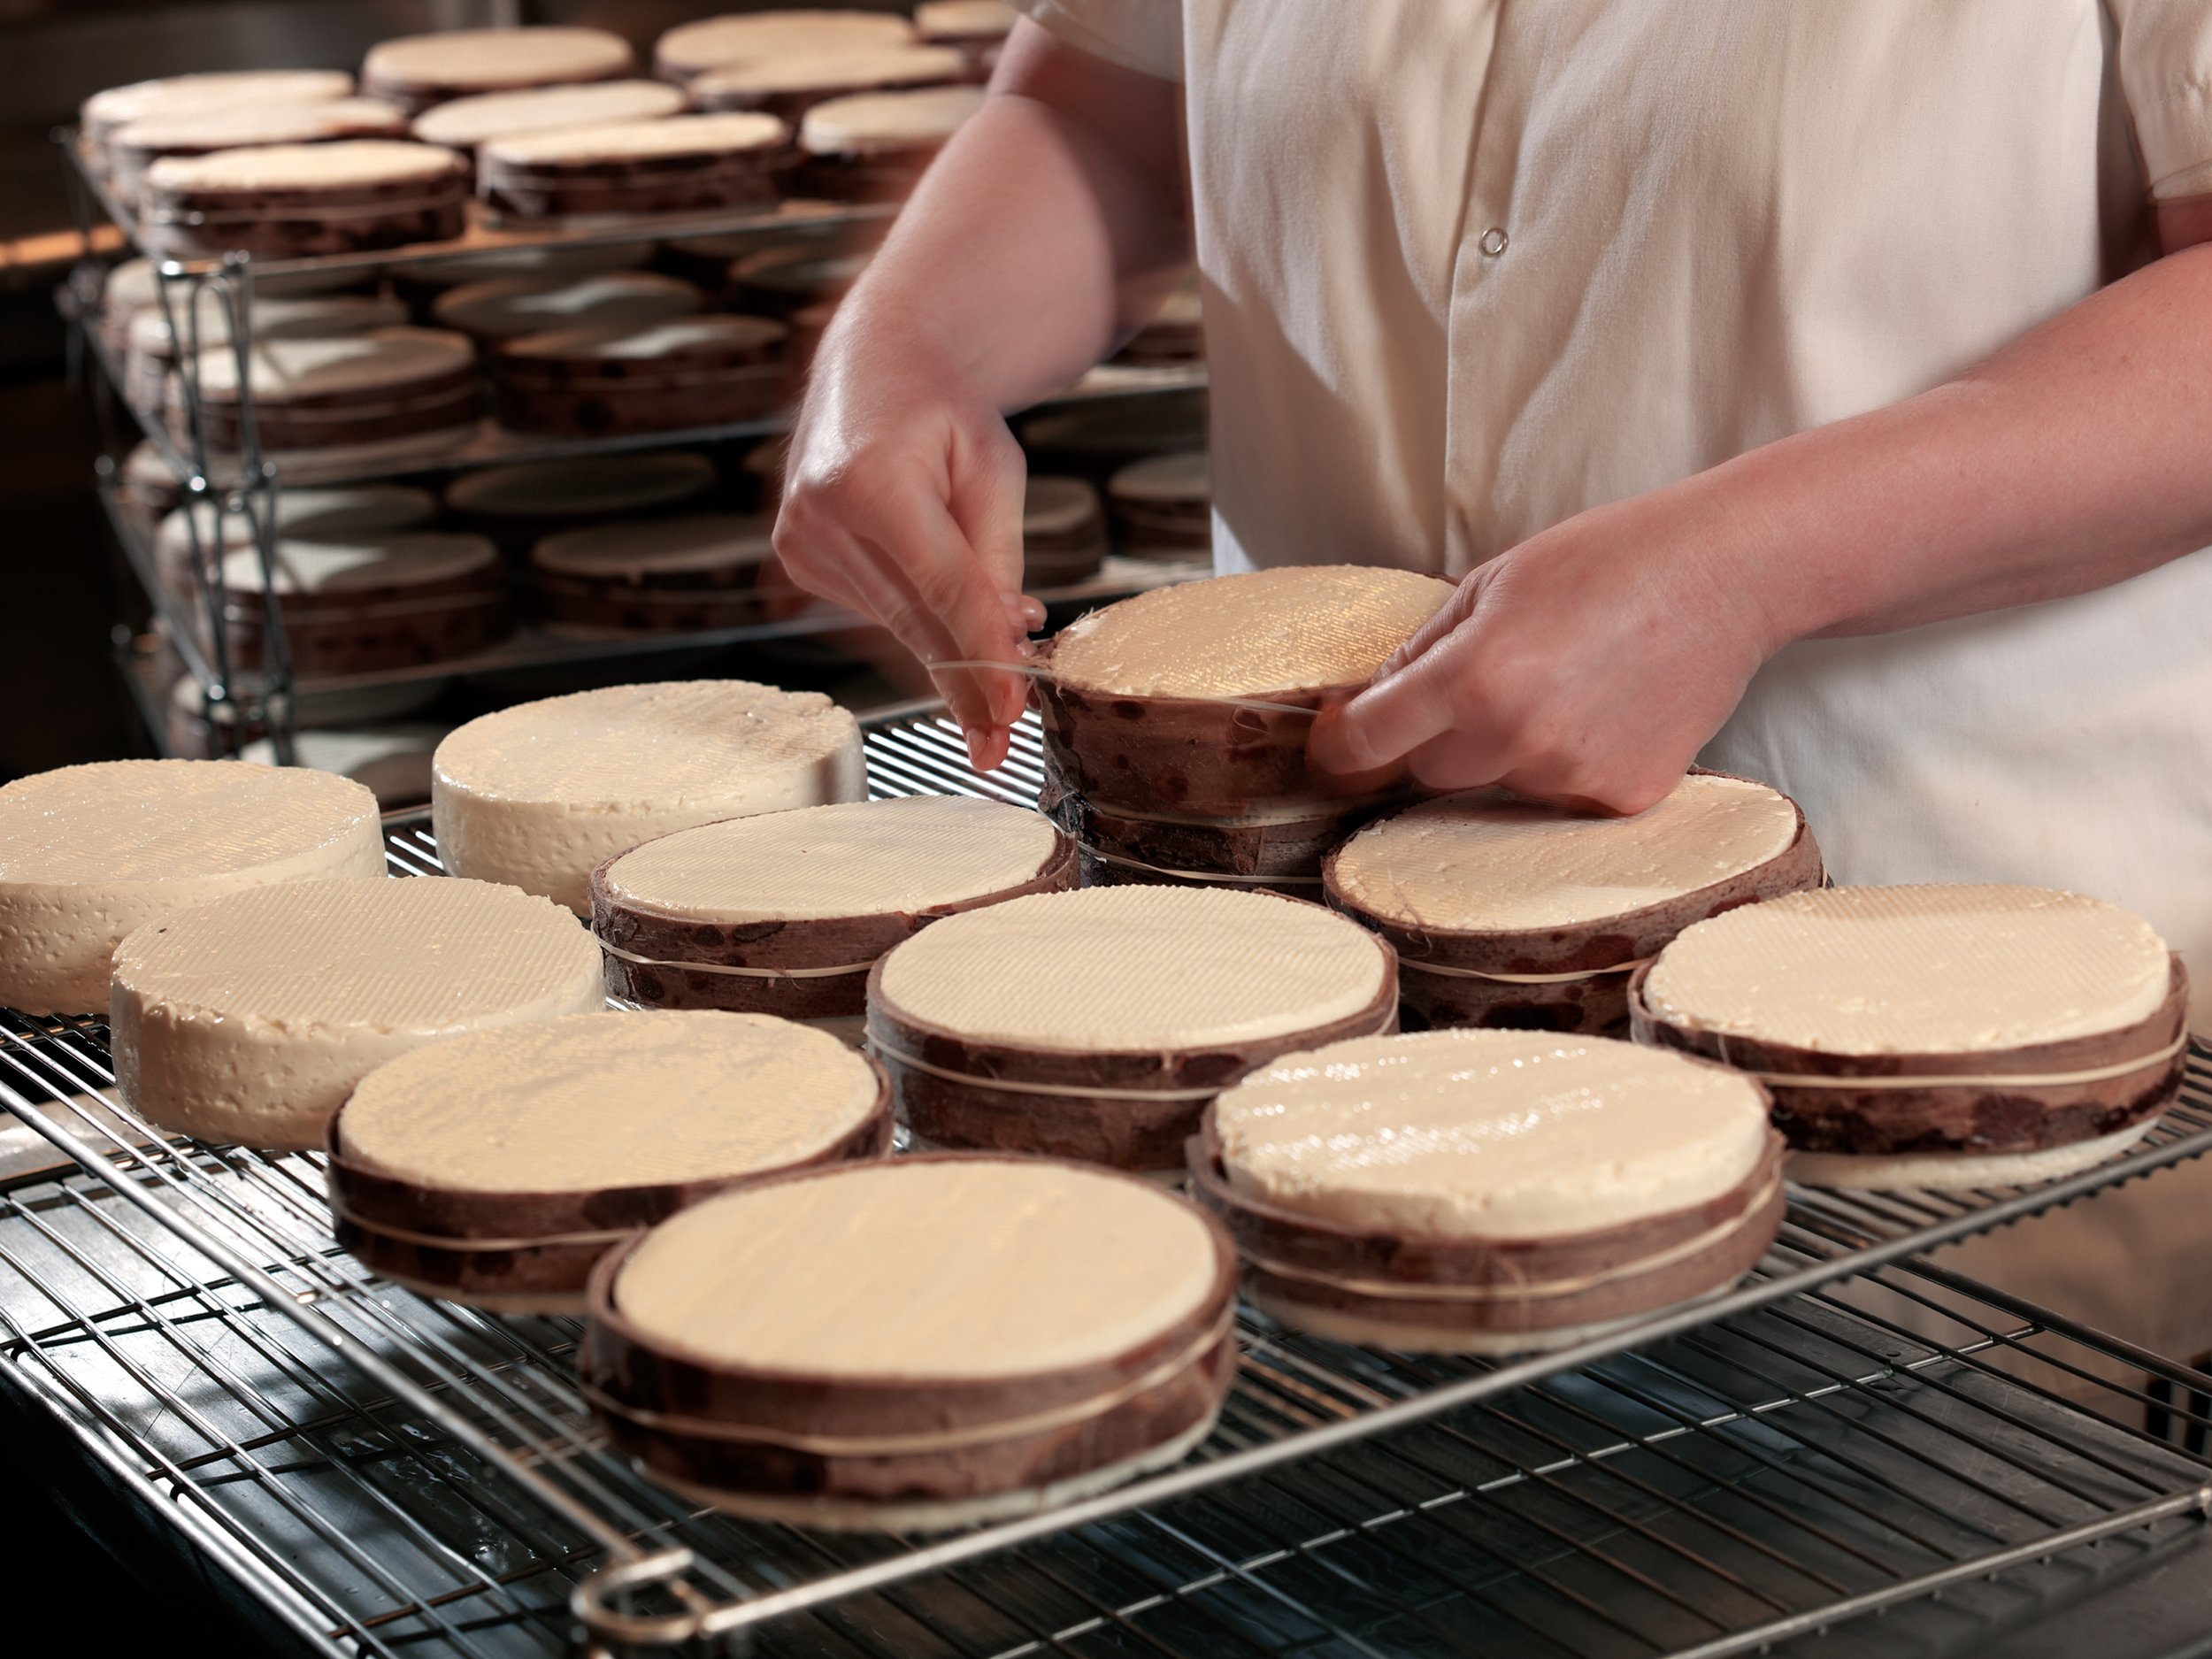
(671, 137)
(1935, 970)
(964, 20)
(582, 487)
(539, 793)
(696, 545)
(1498, 1134)
(509, 306)
(868, 123)
(355, 163)
(691, 49)
(252, 1018)
(424, 69)
(219, 92)
(466, 123)
(89, 853)
(788, 86)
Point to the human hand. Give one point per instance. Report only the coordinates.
(1586, 666)
(902, 501)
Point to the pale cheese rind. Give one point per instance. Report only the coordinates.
(1134, 969)
(929, 1271)
(89, 853)
(1914, 970)
(1487, 862)
(1503, 1134)
(862, 858)
(593, 1102)
(538, 794)
(252, 1018)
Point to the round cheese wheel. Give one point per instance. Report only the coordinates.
(364, 565)
(373, 365)
(692, 49)
(351, 163)
(580, 487)
(696, 544)
(89, 853)
(671, 137)
(868, 122)
(539, 793)
(453, 61)
(466, 123)
(1183, 478)
(1057, 506)
(508, 306)
(220, 92)
(785, 81)
(252, 1018)
(964, 20)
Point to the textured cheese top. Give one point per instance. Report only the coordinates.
(692, 544)
(816, 72)
(306, 317)
(221, 91)
(1135, 968)
(871, 120)
(963, 20)
(1486, 862)
(349, 164)
(482, 60)
(507, 306)
(335, 514)
(423, 956)
(155, 820)
(229, 128)
(1489, 1134)
(628, 141)
(1185, 476)
(682, 336)
(859, 858)
(625, 746)
(713, 42)
(406, 560)
(466, 122)
(375, 360)
(589, 1102)
(1296, 628)
(1054, 506)
(931, 1270)
(586, 484)
(1914, 970)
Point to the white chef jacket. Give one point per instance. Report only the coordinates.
(1472, 267)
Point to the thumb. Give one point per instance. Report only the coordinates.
(988, 480)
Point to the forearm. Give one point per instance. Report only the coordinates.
(1032, 243)
(2078, 456)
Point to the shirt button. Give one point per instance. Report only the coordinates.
(1494, 242)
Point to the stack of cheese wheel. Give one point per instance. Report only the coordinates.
(251, 1018)
(496, 1167)
(518, 505)
(151, 346)
(786, 913)
(135, 148)
(467, 124)
(334, 390)
(676, 164)
(1506, 912)
(89, 853)
(1176, 722)
(788, 88)
(653, 377)
(874, 146)
(504, 307)
(1162, 506)
(693, 50)
(1932, 1036)
(296, 200)
(1064, 532)
(917, 1345)
(1488, 1191)
(369, 603)
(677, 575)
(422, 70)
(1097, 1025)
(359, 511)
(420, 281)
(538, 794)
(222, 92)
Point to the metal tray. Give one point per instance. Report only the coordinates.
(1851, 1429)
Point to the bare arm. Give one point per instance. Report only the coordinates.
(1592, 662)
(1024, 256)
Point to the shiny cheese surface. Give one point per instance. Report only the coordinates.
(1296, 628)
(482, 59)
(87, 854)
(813, 72)
(348, 164)
(252, 1018)
(539, 793)
(1489, 1134)
(1135, 967)
(466, 122)
(1486, 862)
(1913, 969)
(219, 91)
(746, 37)
(626, 140)
(930, 1271)
(871, 120)
(589, 1102)
(864, 858)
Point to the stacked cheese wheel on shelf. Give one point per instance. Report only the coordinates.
(368, 604)
(788, 88)
(871, 147)
(1176, 722)
(674, 163)
(1162, 506)
(518, 505)
(670, 575)
(467, 124)
(663, 376)
(915, 1345)
(1096, 1025)
(330, 391)
(292, 201)
(692, 50)
(1932, 1036)
(420, 71)
(1507, 913)
(136, 147)
(1064, 532)
(539, 795)
(1488, 1191)
(496, 1168)
(785, 912)
(502, 308)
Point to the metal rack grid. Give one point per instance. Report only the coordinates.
(1773, 1462)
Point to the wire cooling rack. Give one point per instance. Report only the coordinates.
(1852, 1430)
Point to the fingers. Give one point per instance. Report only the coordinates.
(1449, 616)
(1387, 722)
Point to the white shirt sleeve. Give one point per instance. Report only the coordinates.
(2166, 74)
(1146, 36)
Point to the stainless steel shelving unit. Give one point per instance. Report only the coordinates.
(1852, 1430)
